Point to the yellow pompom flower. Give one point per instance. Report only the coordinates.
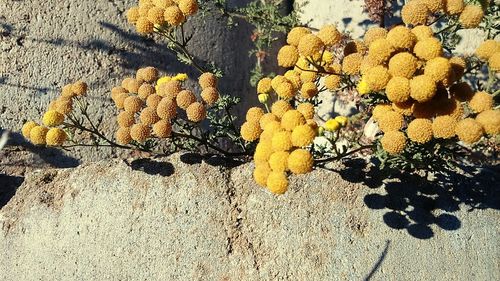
(166, 109)
(390, 121)
(277, 183)
(428, 49)
(434, 5)
(264, 86)
(180, 77)
(327, 57)
(422, 32)
(329, 35)
(196, 112)
(277, 81)
(144, 26)
(380, 51)
(162, 129)
(294, 77)
(148, 116)
(156, 15)
(422, 88)
(443, 127)
(332, 125)
(210, 95)
(27, 128)
(145, 91)
(174, 16)
(309, 90)
(398, 89)
(188, 7)
(140, 132)
(288, 56)
(374, 33)
(52, 118)
(79, 88)
(133, 15)
(125, 119)
(292, 119)
(490, 120)
(300, 161)
(278, 161)
(122, 136)
(352, 63)
(377, 78)
(332, 82)
(471, 16)
(153, 100)
(415, 13)
(307, 109)
(263, 151)
(285, 90)
(469, 130)
(401, 38)
(379, 110)
(404, 108)
(494, 62)
(487, 49)
(393, 142)
(363, 87)
(403, 64)
(261, 173)
(303, 135)
(250, 131)
(56, 137)
(439, 69)
(308, 76)
(481, 101)
(133, 104)
(266, 119)
(454, 7)
(420, 130)
(342, 120)
(282, 141)
(310, 45)
(296, 34)
(185, 98)
(207, 80)
(38, 135)
(254, 114)
(162, 80)
(280, 107)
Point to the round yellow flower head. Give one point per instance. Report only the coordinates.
(144, 26)
(494, 62)
(149, 116)
(264, 86)
(125, 119)
(422, 88)
(422, 32)
(67, 91)
(210, 95)
(263, 151)
(185, 98)
(120, 100)
(180, 77)
(133, 15)
(403, 64)
(300, 161)
(266, 119)
(140, 132)
(162, 80)
(310, 45)
(188, 7)
(148, 74)
(174, 16)
(394, 142)
(307, 110)
(27, 128)
(342, 120)
(377, 78)
(443, 127)
(261, 173)
(52, 118)
(162, 129)
(277, 81)
(145, 90)
(332, 82)
(401, 38)
(56, 137)
(288, 56)
(303, 135)
(363, 87)
(153, 100)
(38, 135)
(296, 34)
(294, 77)
(471, 16)
(420, 130)
(380, 51)
(329, 35)
(285, 90)
(64, 105)
(132, 85)
(352, 63)
(122, 136)
(490, 120)
(292, 119)
(167, 109)
(390, 121)
(481, 101)
(379, 110)
(355, 47)
(156, 15)
(280, 107)
(170, 89)
(332, 125)
(282, 141)
(207, 80)
(79, 88)
(133, 104)
(374, 33)
(254, 114)
(428, 49)
(462, 91)
(277, 183)
(144, 7)
(327, 57)
(454, 7)
(469, 130)
(196, 112)
(415, 13)
(434, 5)
(250, 131)
(398, 89)
(308, 76)
(278, 161)
(309, 90)
(439, 69)
(487, 49)
(458, 65)
(404, 108)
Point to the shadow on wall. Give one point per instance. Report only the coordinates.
(414, 203)
(8, 188)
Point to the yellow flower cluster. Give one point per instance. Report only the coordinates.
(151, 14)
(489, 51)
(149, 103)
(49, 133)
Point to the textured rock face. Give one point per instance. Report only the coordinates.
(167, 220)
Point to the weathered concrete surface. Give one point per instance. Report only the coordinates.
(178, 221)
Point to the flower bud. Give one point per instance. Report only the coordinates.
(263, 98)
(342, 120)
(332, 125)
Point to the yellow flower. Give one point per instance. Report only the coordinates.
(296, 34)
(162, 129)
(439, 69)
(166, 109)
(309, 90)
(254, 114)
(332, 82)
(373, 34)
(444, 127)
(261, 173)
(394, 142)
(188, 7)
(38, 134)
(133, 104)
(390, 121)
(185, 98)
(342, 120)
(469, 130)
(27, 128)
(377, 78)
(327, 57)
(352, 63)
(174, 16)
(307, 109)
(329, 35)
(420, 130)
(263, 98)
(285, 90)
(196, 112)
(471, 16)
(422, 88)
(380, 110)
(210, 95)
(494, 62)
(294, 77)
(300, 161)
(415, 13)
(123, 135)
(403, 64)
(434, 5)
(332, 125)
(266, 119)
(487, 49)
(180, 77)
(428, 49)
(481, 101)
(490, 120)
(55, 137)
(250, 131)
(133, 15)
(292, 119)
(148, 116)
(264, 86)
(52, 118)
(380, 51)
(363, 87)
(282, 141)
(303, 135)
(288, 56)
(310, 45)
(277, 183)
(454, 7)
(280, 107)
(401, 38)
(207, 80)
(398, 89)
(144, 26)
(278, 161)
(423, 32)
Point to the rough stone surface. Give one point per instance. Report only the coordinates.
(183, 219)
